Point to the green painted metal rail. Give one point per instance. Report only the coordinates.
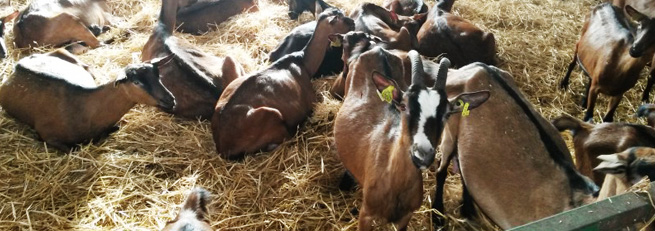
(614, 213)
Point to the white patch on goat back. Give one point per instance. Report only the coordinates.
(429, 101)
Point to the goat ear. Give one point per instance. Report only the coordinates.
(467, 101)
(336, 40)
(634, 14)
(612, 164)
(9, 17)
(387, 89)
(420, 17)
(197, 202)
(318, 9)
(156, 62)
(120, 80)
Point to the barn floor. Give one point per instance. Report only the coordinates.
(136, 178)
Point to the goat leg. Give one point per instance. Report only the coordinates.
(613, 104)
(649, 84)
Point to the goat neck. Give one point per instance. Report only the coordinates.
(315, 49)
(108, 96)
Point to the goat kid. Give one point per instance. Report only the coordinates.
(260, 111)
(56, 95)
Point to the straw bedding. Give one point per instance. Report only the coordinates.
(136, 178)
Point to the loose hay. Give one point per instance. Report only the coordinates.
(136, 178)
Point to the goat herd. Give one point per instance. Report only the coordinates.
(397, 106)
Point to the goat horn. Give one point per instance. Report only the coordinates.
(440, 82)
(417, 67)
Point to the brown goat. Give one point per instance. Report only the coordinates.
(195, 78)
(260, 111)
(373, 137)
(297, 39)
(648, 8)
(59, 22)
(193, 215)
(611, 56)
(624, 169)
(202, 16)
(297, 7)
(591, 141)
(513, 162)
(3, 21)
(55, 94)
(454, 37)
(357, 42)
(375, 20)
(406, 7)
(648, 111)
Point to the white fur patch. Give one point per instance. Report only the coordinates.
(429, 101)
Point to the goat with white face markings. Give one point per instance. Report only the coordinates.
(384, 144)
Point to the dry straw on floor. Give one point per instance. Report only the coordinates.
(135, 179)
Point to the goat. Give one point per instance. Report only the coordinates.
(590, 141)
(454, 37)
(297, 7)
(513, 162)
(373, 137)
(260, 111)
(59, 22)
(648, 111)
(55, 94)
(195, 78)
(610, 55)
(193, 215)
(3, 45)
(298, 38)
(406, 7)
(375, 20)
(355, 43)
(625, 169)
(648, 8)
(202, 16)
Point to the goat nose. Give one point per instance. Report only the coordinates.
(635, 53)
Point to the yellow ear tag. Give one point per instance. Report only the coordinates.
(465, 110)
(387, 94)
(335, 43)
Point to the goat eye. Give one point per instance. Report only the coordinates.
(137, 82)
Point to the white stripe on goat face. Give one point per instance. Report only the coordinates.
(429, 101)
